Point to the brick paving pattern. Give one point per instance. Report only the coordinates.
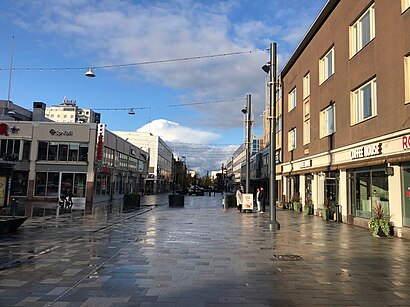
(199, 255)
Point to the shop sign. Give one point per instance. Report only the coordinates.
(406, 142)
(106, 170)
(304, 164)
(60, 132)
(4, 129)
(366, 151)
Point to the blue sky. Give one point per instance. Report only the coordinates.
(89, 33)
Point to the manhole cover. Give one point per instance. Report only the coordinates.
(287, 257)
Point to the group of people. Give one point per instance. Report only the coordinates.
(259, 199)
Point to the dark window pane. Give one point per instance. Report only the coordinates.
(73, 152)
(41, 182)
(52, 151)
(19, 183)
(79, 185)
(52, 184)
(26, 150)
(83, 152)
(42, 151)
(16, 149)
(62, 151)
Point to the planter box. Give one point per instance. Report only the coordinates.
(10, 224)
(176, 200)
(132, 200)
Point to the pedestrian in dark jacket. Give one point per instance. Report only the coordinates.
(261, 199)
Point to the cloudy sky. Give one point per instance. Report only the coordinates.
(193, 103)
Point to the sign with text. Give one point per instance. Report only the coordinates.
(366, 151)
(247, 201)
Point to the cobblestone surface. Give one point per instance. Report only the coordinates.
(199, 255)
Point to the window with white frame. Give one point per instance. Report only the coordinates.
(292, 100)
(306, 132)
(364, 102)
(327, 66)
(327, 121)
(362, 31)
(405, 4)
(407, 79)
(306, 86)
(292, 139)
(278, 124)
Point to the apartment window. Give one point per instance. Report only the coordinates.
(405, 4)
(306, 109)
(292, 100)
(306, 86)
(292, 139)
(407, 78)
(327, 121)
(362, 31)
(278, 124)
(306, 132)
(364, 102)
(326, 66)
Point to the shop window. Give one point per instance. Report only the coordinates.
(364, 102)
(326, 66)
(41, 184)
(46, 184)
(406, 196)
(292, 100)
(83, 152)
(362, 31)
(19, 183)
(327, 121)
(79, 184)
(52, 184)
(73, 150)
(369, 188)
(9, 150)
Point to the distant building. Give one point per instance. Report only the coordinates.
(69, 112)
(160, 177)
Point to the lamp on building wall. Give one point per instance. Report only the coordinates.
(270, 68)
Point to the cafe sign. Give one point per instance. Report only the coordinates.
(366, 151)
(60, 132)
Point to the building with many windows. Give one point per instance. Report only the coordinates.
(40, 159)
(69, 112)
(346, 110)
(160, 175)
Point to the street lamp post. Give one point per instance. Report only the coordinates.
(248, 112)
(271, 68)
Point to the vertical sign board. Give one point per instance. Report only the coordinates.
(247, 201)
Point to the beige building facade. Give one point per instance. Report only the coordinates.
(346, 110)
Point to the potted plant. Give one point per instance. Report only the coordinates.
(379, 225)
(297, 206)
(327, 205)
(308, 209)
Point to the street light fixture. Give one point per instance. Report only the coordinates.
(90, 73)
(131, 112)
(270, 68)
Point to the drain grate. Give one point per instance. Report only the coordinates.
(287, 257)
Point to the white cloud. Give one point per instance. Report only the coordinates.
(174, 132)
(191, 143)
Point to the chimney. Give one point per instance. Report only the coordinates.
(39, 111)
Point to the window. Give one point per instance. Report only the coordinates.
(46, 184)
(326, 66)
(306, 132)
(19, 183)
(292, 139)
(306, 86)
(292, 100)
(9, 150)
(407, 78)
(62, 151)
(327, 121)
(362, 31)
(278, 124)
(364, 102)
(405, 4)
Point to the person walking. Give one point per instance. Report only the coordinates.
(262, 199)
(239, 193)
(258, 202)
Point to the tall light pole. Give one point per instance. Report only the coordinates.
(271, 69)
(248, 112)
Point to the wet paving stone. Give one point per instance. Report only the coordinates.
(199, 255)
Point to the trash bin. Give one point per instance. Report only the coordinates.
(13, 206)
(338, 214)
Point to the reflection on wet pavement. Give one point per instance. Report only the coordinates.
(199, 255)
